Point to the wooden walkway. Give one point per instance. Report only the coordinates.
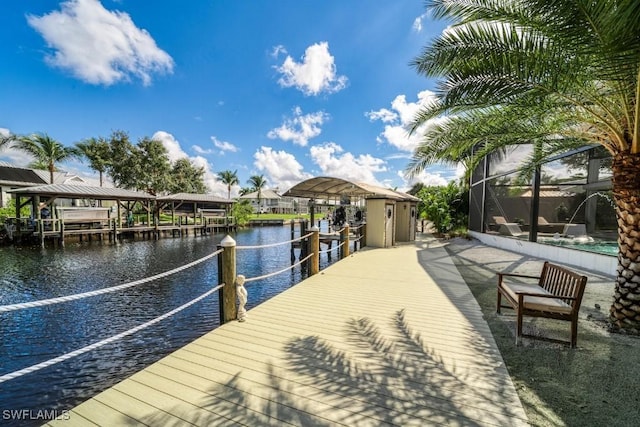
(384, 337)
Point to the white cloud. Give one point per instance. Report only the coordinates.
(282, 170)
(427, 178)
(333, 161)
(384, 115)
(172, 145)
(417, 23)
(201, 150)
(11, 155)
(224, 146)
(99, 46)
(277, 50)
(399, 119)
(315, 74)
(300, 128)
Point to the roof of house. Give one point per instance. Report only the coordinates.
(264, 194)
(10, 175)
(192, 197)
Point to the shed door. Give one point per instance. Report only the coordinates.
(412, 224)
(388, 225)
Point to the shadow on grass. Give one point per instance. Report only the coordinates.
(588, 386)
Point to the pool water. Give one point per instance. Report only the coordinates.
(601, 247)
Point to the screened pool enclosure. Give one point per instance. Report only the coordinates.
(566, 201)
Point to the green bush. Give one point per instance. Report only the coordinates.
(10, 211)
(446, 206)
(242, 212)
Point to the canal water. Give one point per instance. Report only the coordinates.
(34, 335)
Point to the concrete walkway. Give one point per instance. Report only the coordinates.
(384, 337)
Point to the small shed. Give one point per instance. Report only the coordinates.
(398, 221)
(406, 218)
(390, 215)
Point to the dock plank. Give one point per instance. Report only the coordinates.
(385, 337)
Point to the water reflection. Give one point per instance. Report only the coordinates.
(35, 335)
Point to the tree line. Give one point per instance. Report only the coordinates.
(142, 166)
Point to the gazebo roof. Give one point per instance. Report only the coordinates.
(83, 191)
(324, 186)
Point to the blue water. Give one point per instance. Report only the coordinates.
(600, 247)
(31, 336)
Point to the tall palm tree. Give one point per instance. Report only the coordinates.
(46, 151)
(98, 152)
(552, 72)
(258, 182)
(229, 179)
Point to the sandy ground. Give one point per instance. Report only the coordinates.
(488, 260)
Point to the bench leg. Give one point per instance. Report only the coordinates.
(574, 332)
(519, 325)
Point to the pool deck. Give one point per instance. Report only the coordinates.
(385, 337)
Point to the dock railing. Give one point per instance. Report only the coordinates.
(232, 292)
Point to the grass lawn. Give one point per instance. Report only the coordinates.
(279, 216)
(596, 384)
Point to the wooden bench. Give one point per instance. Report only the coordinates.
(556, 295)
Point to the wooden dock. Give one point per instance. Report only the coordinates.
(384, 337)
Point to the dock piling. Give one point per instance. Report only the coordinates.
(227, 275)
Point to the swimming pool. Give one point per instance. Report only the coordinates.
(597, 246)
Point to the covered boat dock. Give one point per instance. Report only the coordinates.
(59, 211)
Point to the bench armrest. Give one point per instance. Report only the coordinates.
(526, 276)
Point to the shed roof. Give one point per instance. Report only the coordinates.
(84, 191)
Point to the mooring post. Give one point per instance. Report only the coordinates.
(344, 238)
(363, 234)
(227, 275)
(314, 248)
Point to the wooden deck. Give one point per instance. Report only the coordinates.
(384, 337)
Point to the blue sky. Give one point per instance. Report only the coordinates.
(288, 89)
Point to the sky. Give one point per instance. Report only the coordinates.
(287, 89)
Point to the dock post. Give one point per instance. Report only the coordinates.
(363, 233)
(344, 238)
(41, 231)
(227, 275)
(314, 248)
(61, 223)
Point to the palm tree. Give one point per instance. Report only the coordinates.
(257, 183)
(98, 152)
(228, 178)
(46, 151)
(5, 140)
(244, 191)
(549, 72)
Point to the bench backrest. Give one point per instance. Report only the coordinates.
(559, 281)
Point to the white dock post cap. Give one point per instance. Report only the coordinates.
(314, 228)
(228, 242)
